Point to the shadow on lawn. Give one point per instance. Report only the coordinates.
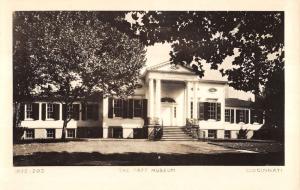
(147, 159)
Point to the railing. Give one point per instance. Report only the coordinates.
(157, 131)
(192, 128)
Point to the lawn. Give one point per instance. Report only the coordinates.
(260, 147)
(143, 152)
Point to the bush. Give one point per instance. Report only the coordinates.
(242, 134)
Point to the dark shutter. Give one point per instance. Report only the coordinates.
(252, 115)
(75, 114)
(43, 111)
(247, 116)
(95, 111)
(218, 111)
(201, 110)
(83, 112)
(206, 111)
(110, 108)
(145, 108)
(232, 116)
(125, 108)
(238, 112)
(64, 111)
(56, 111)
(35, 110)
(130, 108)
(22, 111)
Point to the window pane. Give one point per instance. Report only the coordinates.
(29, 111)
(137, 108)
(227, 115)
(50, 113)
(118, 107)
(212, 110)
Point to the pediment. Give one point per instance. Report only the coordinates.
(167, 67)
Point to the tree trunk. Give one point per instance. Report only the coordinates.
(64, 129)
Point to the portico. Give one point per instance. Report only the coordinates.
(180, 86)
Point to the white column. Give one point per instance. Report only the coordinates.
(195, 100)
(40, 111)
(234, 115)
(60, 111)
(157, 98)
(151, 100)
(249, 116)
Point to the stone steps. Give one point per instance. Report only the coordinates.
(175, 133)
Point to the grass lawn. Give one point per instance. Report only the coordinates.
(261, 147)
(144, 153)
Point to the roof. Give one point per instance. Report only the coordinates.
(235, 102)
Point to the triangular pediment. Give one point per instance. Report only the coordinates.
(168, 67)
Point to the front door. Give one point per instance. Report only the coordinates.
(167, 115)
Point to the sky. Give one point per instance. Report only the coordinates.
(159, 53)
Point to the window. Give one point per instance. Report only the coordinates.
(212, 110)
(138, 108)
(115, 132)
(29, 111)
(227, 134)
(242, 115)
(209, 110)
(118, 107)
(227, 115)
(29, 133)
(212, 134)
(51, 133)
(71, 133)
(92, 112)
(50, 111)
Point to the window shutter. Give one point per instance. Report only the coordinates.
(43, 111)
(75, 114)
(96, 112)
(83, 112)
(125, 108)
(201, 110)
(218, 111)
(110, 108)
(145, 109)
(22, 111)
(247, 116)
(238, 116)
(35, 110)
(56, 111)
(130, 108)
(232, 116)
(252, 114)
(205, 111)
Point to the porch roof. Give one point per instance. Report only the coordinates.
(235, 102)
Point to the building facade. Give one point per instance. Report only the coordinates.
(168, 96)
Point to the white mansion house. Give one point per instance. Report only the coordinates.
(169, 95)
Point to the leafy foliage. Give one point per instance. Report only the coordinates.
(67, 56)
(213, 36)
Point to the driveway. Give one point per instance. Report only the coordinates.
(134, 152)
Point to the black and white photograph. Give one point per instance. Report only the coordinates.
(148, 88)
(160, 94)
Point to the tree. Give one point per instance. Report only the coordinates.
(75, 56)
(257, 37)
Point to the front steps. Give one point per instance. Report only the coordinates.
(175, 133)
